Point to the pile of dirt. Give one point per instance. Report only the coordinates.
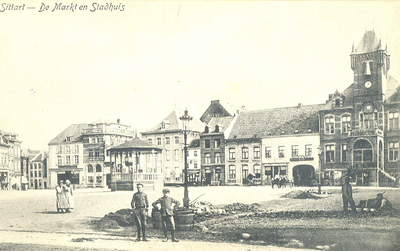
(308, 194)
(121, 218)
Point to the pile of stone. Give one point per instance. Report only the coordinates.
(121, 218)
(205, 208)
(242, 208)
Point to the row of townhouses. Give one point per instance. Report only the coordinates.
(355, 132)
(20, 168)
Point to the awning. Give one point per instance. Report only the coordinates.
(193, 170)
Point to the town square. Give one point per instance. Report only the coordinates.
(191, 125)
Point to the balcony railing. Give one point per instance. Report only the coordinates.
(107, 130)
(136, 177)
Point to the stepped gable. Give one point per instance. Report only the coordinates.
(74, 131)
(173, 123)
(277, 121)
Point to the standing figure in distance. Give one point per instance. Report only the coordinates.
(347, 196)
(140, 207)
(61, 202)
(68, 195)
(167, 213)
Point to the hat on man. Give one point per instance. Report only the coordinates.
(166, 190)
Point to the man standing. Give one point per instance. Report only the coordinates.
(140, 206)
(347, 196)
(167, 213)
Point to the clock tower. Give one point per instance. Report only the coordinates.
(370, 64)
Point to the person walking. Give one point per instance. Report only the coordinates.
(140, 207)
(61, 202)
(347, 196)
(68, 196)
(167, 213)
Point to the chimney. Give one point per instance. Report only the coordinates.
(214, 101)
(118, 121)
(299, 105)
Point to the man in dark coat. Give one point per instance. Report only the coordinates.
(347, 196)
(140, 206)
(167, 213)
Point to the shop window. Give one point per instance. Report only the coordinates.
(362, 151)
(232, 172)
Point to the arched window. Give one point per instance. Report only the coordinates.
(362, 151)
(90, 169)
(98, 168)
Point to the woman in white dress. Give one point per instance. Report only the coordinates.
(68, 195)
(61, 202)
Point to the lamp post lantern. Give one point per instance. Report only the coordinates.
(185, 119)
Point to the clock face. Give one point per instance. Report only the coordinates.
(368, 84)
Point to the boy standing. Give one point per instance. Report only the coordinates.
(167, 213)
(140, 206)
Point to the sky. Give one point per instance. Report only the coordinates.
(64, 67)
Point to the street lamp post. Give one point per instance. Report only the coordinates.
(319, 168)
(185, 119)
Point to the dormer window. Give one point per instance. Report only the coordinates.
(69, 138)
(337, 102)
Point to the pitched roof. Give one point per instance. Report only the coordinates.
(37, 157)
(290, 120)
(214, 110)
(368, 43)
(136, 144)
(173, 123)
(74, 131)
(194, 144)
(222, 122)
(392, 90)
